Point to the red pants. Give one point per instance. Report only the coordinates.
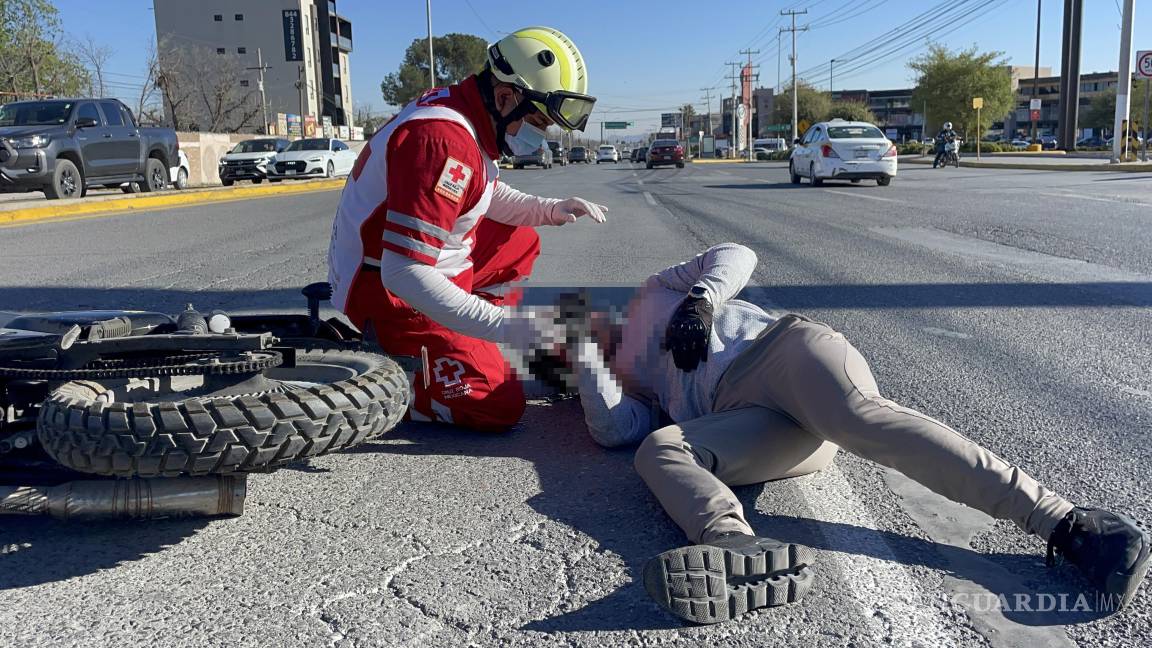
(464, 381)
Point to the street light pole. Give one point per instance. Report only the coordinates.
(431, 58)
(1124, 81)
(260, 67)
(1036, 75)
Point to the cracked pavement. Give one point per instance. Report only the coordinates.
(1019, 312)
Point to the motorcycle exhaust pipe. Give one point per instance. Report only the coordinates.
(129, 499)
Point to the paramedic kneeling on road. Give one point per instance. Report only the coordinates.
(754, 398)
(427, 242)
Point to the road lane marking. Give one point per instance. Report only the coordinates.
(932, 330)
(1092, 198)
(856, 194)
(650, 199)
(885, 594)
(1047, 266)
(639, 182)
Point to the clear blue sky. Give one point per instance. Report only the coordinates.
(645, 56)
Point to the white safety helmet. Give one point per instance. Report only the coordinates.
(947, 125)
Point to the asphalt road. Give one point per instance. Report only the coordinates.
(1015, 305)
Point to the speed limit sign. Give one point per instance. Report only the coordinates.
(1144, 64)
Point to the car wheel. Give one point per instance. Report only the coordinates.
(855, 180)
(329, 170)
(182, 178)
(884, 181)
(227, 183)
(649, 165)
(257, 180)
(67, 182)
(679, 165)
(816, 182)
(155, 176)
(795, 179)
(130, 187)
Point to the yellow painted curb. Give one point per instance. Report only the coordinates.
(718, 161)
(159, 201)
(1128, 167)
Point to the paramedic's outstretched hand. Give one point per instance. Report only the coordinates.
(567, 211)
(688, 333)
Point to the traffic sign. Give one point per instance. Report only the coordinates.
(1034, 104)
(617, 125)
(741, 111)
(803, 126)
(977, 103)
(1035, 115)
(1144, 64)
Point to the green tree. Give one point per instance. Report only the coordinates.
(33, 61)
(851, 111)
(457, 56)
(812, 105)
(947, 82)
(1101, 113)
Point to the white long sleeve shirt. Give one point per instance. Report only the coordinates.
(424, 288)
(622, 406)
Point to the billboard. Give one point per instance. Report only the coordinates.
(310, 126)
(293, 36)
(671, 120)
(294, 125)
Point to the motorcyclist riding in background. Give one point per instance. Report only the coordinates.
(945, 135)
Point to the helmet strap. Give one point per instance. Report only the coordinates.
(486, 81)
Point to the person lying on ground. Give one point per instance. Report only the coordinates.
(719, 393)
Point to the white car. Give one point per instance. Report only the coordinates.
(843, 150)
(607, 153)
(312, 158)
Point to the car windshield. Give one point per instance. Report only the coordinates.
(665, 143)
(256, 146)
(854, 132)
(36, 113)
(308, 145)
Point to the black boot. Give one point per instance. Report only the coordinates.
(709, 583)
(1110, 549)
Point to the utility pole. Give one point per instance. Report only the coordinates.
(732, 131)
(830, 78)
(708, 113)
(260, 68)
(752, 76)
(1124, 82)
(431, 58)
(1036, 75)
(301, 85)
(795, 105)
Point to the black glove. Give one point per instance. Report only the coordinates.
(688, 333)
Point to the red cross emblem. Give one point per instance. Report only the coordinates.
(457, 173)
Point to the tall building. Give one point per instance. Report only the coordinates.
(304, 44)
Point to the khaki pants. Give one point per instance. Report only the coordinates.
(781, 410)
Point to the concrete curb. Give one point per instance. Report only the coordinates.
(144, 202)
(1128, 167)
(741, 161)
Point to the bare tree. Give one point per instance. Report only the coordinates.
(95, 57)
(202, 90)
(147, 110)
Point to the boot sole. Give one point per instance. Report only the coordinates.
(705, 584)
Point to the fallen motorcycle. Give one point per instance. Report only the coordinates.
(134, 414)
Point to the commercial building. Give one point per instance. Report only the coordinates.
(303, 44)
(1048, 92)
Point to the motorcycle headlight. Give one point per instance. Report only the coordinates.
(30, 141)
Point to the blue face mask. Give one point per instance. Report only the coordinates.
(526, 141)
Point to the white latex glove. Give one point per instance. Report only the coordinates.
(567, 211)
